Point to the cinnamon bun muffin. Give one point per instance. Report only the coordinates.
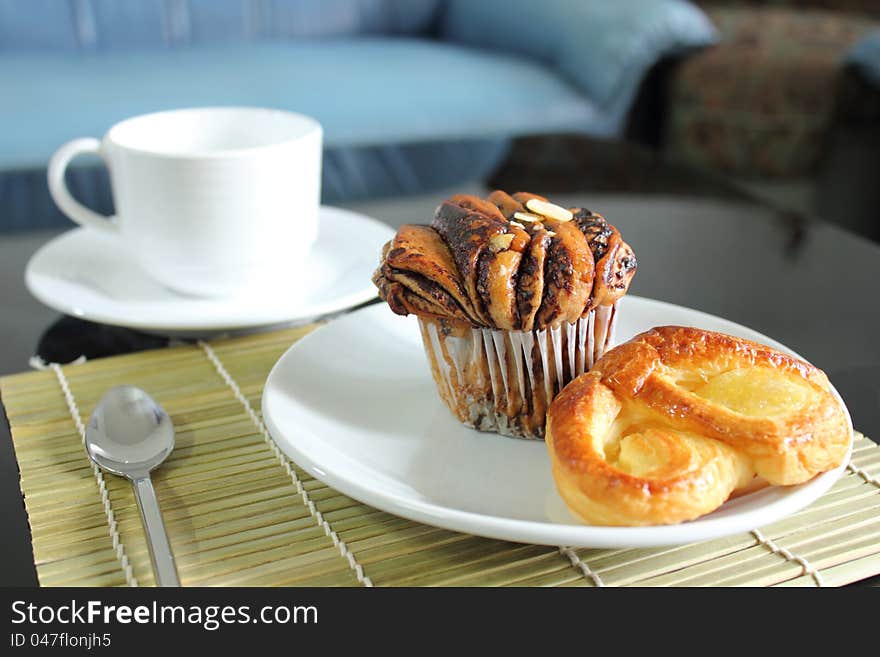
(515, 297)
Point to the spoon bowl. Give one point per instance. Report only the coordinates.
(129, 434)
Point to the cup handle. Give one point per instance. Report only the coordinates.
(75, 210)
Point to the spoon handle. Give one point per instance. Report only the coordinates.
(157, 538)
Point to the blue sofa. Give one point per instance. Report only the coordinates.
(413, 94)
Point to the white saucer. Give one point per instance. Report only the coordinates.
(85, 274)
(355, 405)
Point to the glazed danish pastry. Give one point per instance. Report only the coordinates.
(669, 425)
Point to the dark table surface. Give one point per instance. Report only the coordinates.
(808, 284)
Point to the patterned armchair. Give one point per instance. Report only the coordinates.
(761, 102)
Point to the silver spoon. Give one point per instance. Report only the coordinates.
(130, 435)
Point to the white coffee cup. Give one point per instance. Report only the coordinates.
(212, 201)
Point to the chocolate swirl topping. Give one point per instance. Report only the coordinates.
(512, 262)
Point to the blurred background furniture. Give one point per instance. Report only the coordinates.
(783, 108)
(413, 94)
(775, 106)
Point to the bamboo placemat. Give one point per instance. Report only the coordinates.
(239, 513)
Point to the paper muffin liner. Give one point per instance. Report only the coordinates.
(503, 381)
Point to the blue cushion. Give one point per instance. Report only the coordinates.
(865, 56)
(367, 91)
(604, 47)
(127, 24)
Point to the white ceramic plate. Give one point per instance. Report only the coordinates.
(355, 405)
(84, 273)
